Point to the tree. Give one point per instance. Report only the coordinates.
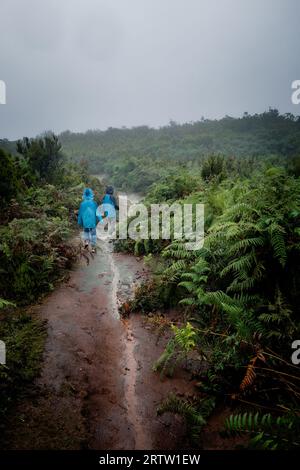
(213, 167)
(43, 154)
(9, 185)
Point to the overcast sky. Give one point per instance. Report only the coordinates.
(86, 64)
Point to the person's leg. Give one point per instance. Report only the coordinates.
(93, 238)
(112, 228)
(86, 237)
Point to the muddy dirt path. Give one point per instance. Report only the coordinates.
(97, 389)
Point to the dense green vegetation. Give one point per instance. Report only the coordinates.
(39, 192)
(239, 294)
(133, 157)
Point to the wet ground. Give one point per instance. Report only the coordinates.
(97, 389)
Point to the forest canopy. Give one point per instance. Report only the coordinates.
(132, 156)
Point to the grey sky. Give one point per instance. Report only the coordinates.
(86, 64)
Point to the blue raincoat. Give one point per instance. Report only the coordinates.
(87, 217)
(108, 206)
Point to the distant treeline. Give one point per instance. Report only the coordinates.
(133, 156)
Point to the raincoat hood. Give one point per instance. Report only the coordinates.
(88, 194)
(109, 190)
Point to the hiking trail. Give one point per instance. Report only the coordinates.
(97, 389)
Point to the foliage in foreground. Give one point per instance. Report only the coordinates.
(24, 339)
(265, 431)
(194, 413)
(183, 341)
(241, 292)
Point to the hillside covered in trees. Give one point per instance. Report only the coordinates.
(132, 157)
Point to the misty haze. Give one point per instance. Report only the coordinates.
(93, 64)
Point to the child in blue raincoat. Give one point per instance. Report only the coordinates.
(109, 203)
(88, 219)
(108, 209)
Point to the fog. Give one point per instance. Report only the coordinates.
(86, 64)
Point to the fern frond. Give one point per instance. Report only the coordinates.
(244, 263)
(245, 244)
(266, 432)
(278, 242)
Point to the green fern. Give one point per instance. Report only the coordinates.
(177, 349)
(174, 272)
(278, 242)
(265, 431)
(278, 318)
(195, 415)
(6, 303)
